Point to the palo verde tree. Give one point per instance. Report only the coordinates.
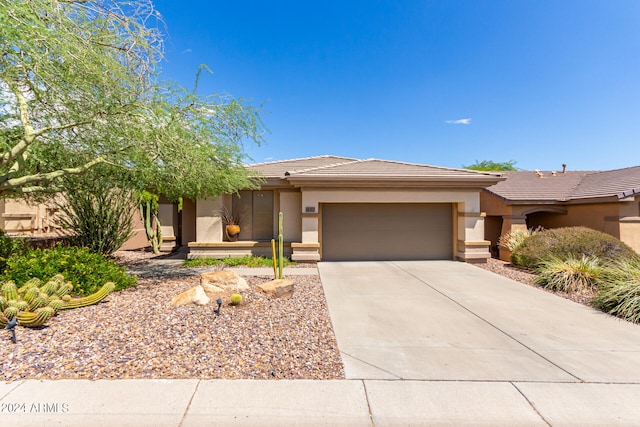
(79, 87)
(489, 165)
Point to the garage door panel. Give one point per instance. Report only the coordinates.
(380, 231)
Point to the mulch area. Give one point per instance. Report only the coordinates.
(135, 333)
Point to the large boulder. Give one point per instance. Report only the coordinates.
(279, 288)
(222, 281)
(194, 295)
(217, 284)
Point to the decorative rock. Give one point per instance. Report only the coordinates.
(222, 281)
(279, 288)
(214, 285)
(194, 295)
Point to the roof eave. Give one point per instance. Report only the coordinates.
(394, 181)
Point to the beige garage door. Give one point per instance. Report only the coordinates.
(383, 231)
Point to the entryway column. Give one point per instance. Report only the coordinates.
(511, 223)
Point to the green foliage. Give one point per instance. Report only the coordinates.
(570, 242)
(514, 238)
(236, 299)
(99, 219)
(10, 246)
(85, 269)
(620, 294)
(571, 275)
(245, 261)
(80, 90)
(488, 165)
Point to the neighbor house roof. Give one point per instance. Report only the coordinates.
(333, 170)
(550, 186)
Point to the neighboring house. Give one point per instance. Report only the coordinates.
(21, 218)
(607, 201)
(338, 208)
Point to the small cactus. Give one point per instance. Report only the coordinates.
(94, 298)
(38, 302)
(11, 312)
(37, 318)
(64, 289)
(3, 303)
(50, 287)
(10, 291)
(31, 283)
(22, 305)
(56, 305)
(31, 294)
(236, 299)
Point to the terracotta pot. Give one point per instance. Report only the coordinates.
(232, 231)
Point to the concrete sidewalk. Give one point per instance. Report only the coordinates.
(313, 403)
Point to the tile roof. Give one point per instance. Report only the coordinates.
(619, 182)
(383, 168)
(277, 169)
(335, 166)
(531, 186)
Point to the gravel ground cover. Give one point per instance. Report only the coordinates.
(135, 333)
(508, 270)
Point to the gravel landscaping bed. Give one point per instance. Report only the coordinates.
(510, 271)
(135, 333)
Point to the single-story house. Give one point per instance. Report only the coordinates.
(608, 201)
(338, 208)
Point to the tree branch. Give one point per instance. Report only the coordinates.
(14, 183)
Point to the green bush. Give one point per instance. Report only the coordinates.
(10, 246)
(99, 218)
(620, 295)
(570, 242)
(86, 270)
(569, 275)
(513, 239)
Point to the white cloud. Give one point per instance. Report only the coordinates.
(187, 51)
(459, 122)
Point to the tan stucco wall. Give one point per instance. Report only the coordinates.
(20, 217)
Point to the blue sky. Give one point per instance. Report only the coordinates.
(446, 83)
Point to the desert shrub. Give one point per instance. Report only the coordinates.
(85, 269)
(514, 238)
(569, 275)
(564, 243)
(619, 295)
(99, 219)
(10, 246)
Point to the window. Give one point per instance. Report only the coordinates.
(256, 214)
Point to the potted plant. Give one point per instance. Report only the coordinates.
(232, 224)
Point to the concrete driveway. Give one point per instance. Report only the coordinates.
(445, 320)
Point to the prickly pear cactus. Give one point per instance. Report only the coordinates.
(34, 305)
